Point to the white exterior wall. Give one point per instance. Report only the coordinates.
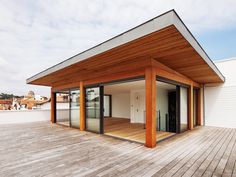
(220, 101)
(24, 116)
(59, 105)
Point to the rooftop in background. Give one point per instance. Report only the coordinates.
(5, 101)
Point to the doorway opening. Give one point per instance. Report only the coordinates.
(167, 109)
(124, 110)
(127, 115)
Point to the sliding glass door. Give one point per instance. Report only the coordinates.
(94, 109)
(75, 108)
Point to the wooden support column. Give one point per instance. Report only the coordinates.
(150, 84)
(53, 107)
(190, 107)
(82, 107)
(199, 107)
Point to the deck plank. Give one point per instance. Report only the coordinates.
(45, 149)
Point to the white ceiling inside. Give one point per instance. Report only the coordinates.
(135, 85)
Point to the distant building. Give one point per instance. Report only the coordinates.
(16, 103)
(63, 102)
(32, 101)
(31, 93)
(62, 97)
(29, 101)
(5, 104)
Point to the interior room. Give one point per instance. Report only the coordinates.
(124, 110)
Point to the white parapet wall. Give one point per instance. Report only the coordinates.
(220, 100)
(24, 116)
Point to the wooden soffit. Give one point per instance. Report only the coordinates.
(170, 44)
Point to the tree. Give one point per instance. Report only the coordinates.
(6, 96)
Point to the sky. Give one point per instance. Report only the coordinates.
(37, 34)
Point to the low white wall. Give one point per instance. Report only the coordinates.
(220, 100)
(220, 106)
(23, 116)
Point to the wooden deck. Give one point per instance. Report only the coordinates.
(122, 128)
(44, 149)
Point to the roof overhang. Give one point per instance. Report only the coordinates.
(173, 26)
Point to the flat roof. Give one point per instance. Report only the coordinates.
(160, 22)
(225, 60)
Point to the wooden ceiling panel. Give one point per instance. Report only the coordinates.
(167, 46)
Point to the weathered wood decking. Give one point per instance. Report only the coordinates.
(44, 149)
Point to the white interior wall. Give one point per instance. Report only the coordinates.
(129, 102)
(162, 104)
(121, 105)
(137, 100)
(184, 108)
(106, 103)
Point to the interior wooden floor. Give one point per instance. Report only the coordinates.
(122, 128)
(65, 123)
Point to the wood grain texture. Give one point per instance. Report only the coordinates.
(150, 90)
(82, 107)
(168, 73)
(44, 149)
(166, 46)
(122, 128)
(53, 102)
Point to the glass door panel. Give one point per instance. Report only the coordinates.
(75, 108)
(92, 111)
(63, 108)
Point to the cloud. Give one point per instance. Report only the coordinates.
(3, 62)
(37, 34)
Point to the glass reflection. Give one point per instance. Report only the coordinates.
(93, 109)
(75, 108)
